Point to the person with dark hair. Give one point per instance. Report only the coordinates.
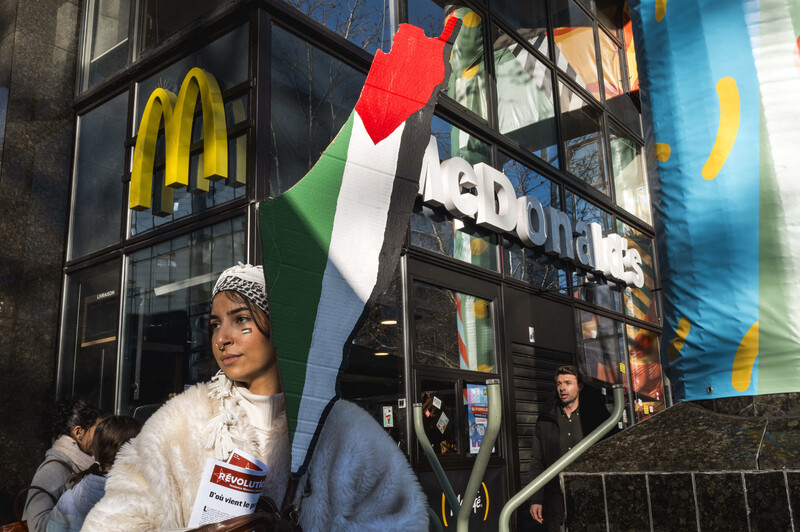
(356, 480)
(574, 413)
(72, 427)
(74, 505)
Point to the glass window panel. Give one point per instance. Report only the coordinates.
(608, 11)
(626, 108)
(105, 41)
(641, 302)
(440, 414)
(468, 75)
(648, 386)
(97, 185)
(366, 23)
(453, 329)
(600, 348)
(167, 301)
(435, 230)
(373, 378)
(583, 210)
(89, 340)
(529, 182)
(527, 18)
(575, 52)
(583, 139)
(525, 107)
(534, 267)
(630, 181)
(612, 70)
(226, 58)
(312, 96)
(455, 142)
(630, 49)
(160, 20)
(428, 15)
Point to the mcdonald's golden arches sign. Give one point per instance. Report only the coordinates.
(178, 114)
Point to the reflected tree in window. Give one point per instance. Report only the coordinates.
(312, 97)
(366, 23)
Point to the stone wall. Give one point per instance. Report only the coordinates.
(728, 464)
(38, 47)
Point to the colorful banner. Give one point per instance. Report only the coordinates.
(721, 81)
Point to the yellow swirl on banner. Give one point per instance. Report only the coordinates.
(663, 151)
(661, 9)
(678, 342)
(729, 112)
(745, 359)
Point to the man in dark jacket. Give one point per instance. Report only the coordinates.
(574, 413)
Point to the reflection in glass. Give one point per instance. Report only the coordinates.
(527, 182)
(641, 302)
(468, 76)
(428, 15)
(529, 19)
(365, 23)
(534, 267)
(166, 304)
(105, 40)
(600, 348)
(575, 51)
(97, 185)
(435, 230)
(160, 20)
(439, 414)
(585, 211)
(454, 142)
(525, 98)
(630, 49)
(89, 341)
(630, 182)
(583, 139)
(608, 11)
(452, 329)
(612, 71)
(312, 96)
(645, 372)
(373, 376)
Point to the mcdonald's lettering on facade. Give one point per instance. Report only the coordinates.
(178, 115)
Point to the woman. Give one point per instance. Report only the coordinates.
(357, 479)
(73, 506)
(72, 427)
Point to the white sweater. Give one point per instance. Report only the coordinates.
(359, 479)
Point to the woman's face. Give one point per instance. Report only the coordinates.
(84, 437)
(240, 349)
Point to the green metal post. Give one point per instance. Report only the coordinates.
(425, 443)
(484, 453)
(538, 483)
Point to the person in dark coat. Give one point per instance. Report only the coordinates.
(575, 411)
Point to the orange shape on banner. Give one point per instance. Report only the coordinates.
(729, 112)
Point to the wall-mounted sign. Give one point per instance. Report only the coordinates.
(495, 206)
(178, 113)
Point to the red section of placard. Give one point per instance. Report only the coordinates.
(236, 480)
(402, 81)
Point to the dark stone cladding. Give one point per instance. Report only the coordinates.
(724, 464)
(38, 46)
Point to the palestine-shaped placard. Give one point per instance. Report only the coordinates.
(332, 241)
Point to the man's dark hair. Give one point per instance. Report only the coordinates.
(569, 370)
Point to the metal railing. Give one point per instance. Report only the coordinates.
(463, 508)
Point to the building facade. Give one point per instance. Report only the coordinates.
(545, 94)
